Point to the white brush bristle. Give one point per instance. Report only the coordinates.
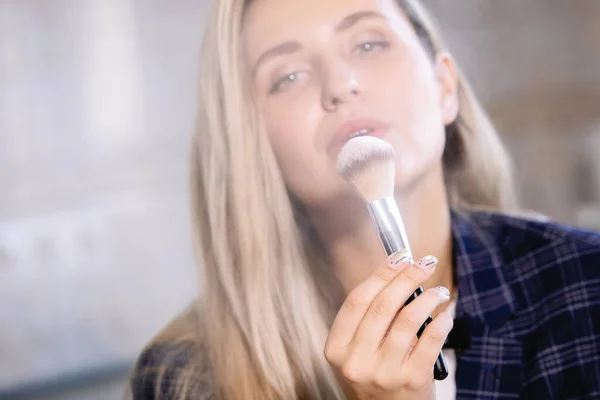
(367, 163)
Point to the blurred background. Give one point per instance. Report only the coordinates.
(97, 104)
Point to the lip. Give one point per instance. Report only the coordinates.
(378, 128)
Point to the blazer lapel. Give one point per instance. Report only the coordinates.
(491, 368)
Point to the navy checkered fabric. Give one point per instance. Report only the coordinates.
(530, 291)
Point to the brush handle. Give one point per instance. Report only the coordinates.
(392, 235)
(388, 223)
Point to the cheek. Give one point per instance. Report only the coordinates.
(425, 118)
(417, 95)
(415, 111)
(292, 123)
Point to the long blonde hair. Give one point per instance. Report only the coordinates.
(264, 311)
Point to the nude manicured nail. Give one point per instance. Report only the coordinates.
(443, 291)
(427, 263)
(399, 259)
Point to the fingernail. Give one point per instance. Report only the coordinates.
(427, 263)
(399, 259)
(443, 291)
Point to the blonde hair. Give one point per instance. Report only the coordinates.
(265, 309)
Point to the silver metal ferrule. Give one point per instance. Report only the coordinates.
(388, 223)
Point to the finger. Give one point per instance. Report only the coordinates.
(356, 304)
(385, 306)
(423, 356)
(411, 318)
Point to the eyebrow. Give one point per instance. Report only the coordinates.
(279, 50)
(353, 19)
(293, 46)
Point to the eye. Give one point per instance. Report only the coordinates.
(371, 46)
(286, 80)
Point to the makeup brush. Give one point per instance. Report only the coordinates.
(367, 164)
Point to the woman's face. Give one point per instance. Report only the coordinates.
(324, 70)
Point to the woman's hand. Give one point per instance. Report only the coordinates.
(372, 345)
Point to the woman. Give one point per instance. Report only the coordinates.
(297, 301)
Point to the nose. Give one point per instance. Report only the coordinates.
(340, 87)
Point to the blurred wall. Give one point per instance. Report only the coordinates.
(97, 99)
(97, 102)
(535, 65)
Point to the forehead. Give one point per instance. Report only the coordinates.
(268, 22)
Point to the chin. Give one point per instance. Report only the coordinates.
(409, 172)
(408, 180)
(404, 179)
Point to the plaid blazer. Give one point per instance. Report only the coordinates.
(530, 293)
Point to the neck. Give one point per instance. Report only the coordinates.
(353, 246)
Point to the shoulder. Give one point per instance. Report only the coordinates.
(158, 370)
(547, 264)
(551, 273)
(523, 236)
(172, 367)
